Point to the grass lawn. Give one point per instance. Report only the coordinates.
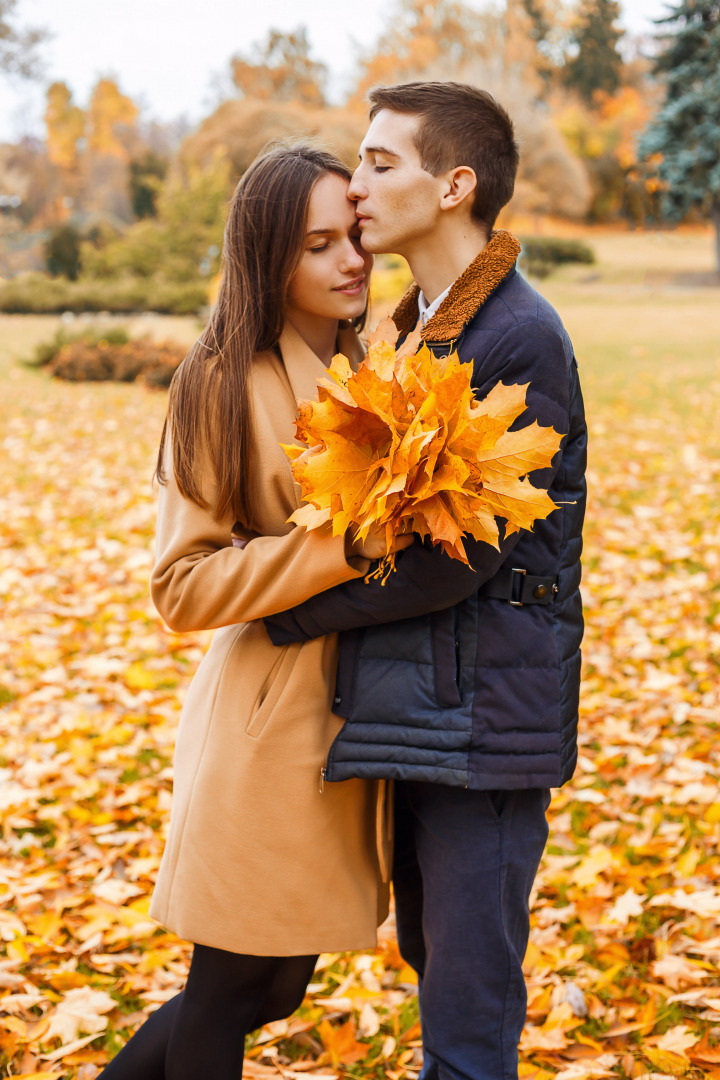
(624, 957)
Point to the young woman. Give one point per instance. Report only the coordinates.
(262, 870)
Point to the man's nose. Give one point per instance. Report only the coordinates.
(357, 189)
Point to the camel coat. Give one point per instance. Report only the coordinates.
(259, 860)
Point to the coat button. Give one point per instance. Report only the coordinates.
(337, 699)
(540, 592)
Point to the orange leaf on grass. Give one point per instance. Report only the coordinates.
(705, 1052)
(341, 1042)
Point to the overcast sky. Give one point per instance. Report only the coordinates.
(166, 53)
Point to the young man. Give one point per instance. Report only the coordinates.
(461, 683)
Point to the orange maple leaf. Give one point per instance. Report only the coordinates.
(403, 443)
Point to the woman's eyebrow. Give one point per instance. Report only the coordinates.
(319, 232)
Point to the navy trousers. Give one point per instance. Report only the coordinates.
(463, 869)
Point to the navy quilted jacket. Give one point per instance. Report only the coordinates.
(436, 682)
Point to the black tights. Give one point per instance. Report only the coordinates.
(201, 1032)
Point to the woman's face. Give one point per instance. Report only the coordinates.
(334, 273)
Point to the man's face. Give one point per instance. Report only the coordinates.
(397, 201)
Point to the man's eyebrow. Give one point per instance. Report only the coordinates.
(379, 150)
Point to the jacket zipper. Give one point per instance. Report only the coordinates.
(323, 774)
(458, 658)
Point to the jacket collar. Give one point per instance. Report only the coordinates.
(467, 294)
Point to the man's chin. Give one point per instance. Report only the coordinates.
(374, 245)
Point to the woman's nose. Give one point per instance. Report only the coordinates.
(353, 260)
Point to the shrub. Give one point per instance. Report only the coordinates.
(543, 254)
(46, 351)
(41, 294)
(62, 252)
(104, 356)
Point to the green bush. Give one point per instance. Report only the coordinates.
(96, 355)
(41, 294)
(542, 254)
(62, 252)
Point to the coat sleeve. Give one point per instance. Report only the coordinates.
(201, 581)
(426, 579)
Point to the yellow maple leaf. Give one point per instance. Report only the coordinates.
(402, 443)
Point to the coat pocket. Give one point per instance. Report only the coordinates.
(271, 690)
(446, 657)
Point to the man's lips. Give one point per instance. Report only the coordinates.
(362, 218)
(352, 288)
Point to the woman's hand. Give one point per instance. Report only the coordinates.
(374, 546)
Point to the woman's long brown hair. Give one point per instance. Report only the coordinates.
(209, 417)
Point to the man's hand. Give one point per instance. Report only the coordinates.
(374, 546)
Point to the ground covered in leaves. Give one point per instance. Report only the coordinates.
(623, 966)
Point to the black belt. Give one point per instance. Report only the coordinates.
(518, 588)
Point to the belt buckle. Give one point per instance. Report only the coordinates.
(516, 603)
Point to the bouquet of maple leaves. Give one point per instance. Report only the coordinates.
(403, 443)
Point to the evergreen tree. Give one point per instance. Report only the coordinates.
(146, 176)
(683, 141)
(540, 29)
(62, 252)
(597, 64)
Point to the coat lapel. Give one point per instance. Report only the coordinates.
(303, 368)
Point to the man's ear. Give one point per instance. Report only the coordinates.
(460, 183)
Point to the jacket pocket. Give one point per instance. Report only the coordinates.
(271, 690)
(446, 657)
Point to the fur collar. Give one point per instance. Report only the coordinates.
(467, 294)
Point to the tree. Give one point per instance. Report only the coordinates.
(682, 143)
(239, 129)
(62, 252)
(597, 64)
(146, 175)
(548, 28)
(112, 142)
(281, 69)
(18, 48)
(110, 116)
(420, 34)
(65, 126)
(604, 137)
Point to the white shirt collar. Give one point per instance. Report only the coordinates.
(428, 310)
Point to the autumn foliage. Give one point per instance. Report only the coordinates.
(623, 965)
(403, 443)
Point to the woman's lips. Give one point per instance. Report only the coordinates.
(353, 288)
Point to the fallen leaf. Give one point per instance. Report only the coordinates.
(82, 1009)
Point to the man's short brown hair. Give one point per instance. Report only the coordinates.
(459, 125)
